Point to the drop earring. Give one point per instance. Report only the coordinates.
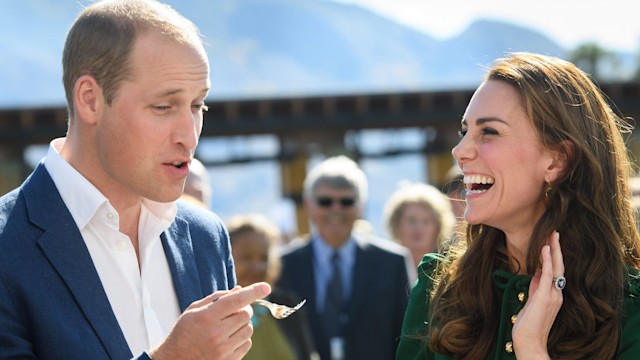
(548, 190)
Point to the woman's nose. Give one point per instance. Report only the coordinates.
(464, 151)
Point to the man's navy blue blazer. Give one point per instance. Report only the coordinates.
(52, 303)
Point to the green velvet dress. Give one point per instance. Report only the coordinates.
(515, 290)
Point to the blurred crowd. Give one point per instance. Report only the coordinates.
(342, 268)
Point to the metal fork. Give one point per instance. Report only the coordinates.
(279, 311)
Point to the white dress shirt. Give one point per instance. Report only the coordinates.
(142, 295)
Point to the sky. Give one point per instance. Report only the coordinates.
(613, 24)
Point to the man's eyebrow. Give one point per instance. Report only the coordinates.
(170, 92)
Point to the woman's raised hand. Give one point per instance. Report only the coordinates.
(531, 329)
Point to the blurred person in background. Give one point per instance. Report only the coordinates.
(419, 217)
(197, 187)
(356, 285)
(255, 242)
(454, 189)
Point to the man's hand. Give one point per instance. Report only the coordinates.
(215, 327)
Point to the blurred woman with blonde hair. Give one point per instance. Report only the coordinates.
(419, 217)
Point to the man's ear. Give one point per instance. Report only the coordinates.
(88, 99)
(560, 158)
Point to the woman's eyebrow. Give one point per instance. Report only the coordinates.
(482, 121)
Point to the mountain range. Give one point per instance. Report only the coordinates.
(274, 48)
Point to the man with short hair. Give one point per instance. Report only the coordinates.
(98, 261)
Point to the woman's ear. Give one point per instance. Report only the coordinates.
(88, 99)
(560, 159)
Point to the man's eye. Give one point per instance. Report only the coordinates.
(162, 107)
(199, 107)
(462, 133)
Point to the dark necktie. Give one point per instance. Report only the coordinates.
(333, 301)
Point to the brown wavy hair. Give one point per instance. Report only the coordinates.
(590, 206)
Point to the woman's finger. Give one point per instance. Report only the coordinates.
(556, 254)
(547, 275)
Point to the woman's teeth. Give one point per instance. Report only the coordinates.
(476, 184)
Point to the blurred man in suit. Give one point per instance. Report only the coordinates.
(356, 285)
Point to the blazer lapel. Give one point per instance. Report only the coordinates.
(361, 278)
(65, 249)
(307, 281)
(179, 251)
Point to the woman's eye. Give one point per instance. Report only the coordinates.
(489, 131)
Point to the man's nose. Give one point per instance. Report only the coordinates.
(188, 129)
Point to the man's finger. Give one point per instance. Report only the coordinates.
(208, 299)
(241, 297)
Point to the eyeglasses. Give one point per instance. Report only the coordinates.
(327, 202)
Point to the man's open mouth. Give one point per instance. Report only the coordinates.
(178, 164)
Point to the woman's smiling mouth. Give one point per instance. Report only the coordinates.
(476, 184)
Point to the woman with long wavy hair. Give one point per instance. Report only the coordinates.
(547, 267)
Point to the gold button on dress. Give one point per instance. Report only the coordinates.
(508, 347)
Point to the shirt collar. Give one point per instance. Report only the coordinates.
(323, 252)
(163, 213)
(79, 195)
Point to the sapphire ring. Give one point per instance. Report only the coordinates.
(559, 282)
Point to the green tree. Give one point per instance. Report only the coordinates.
(591, 58)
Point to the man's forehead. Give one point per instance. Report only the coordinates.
(333, 189)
